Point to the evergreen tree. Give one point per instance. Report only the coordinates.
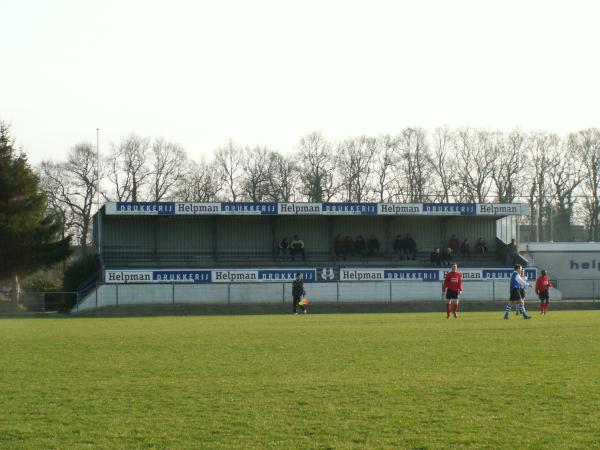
(29, 236)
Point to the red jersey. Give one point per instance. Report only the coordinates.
(453, 281)
(543, 284)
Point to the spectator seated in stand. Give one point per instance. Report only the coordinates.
(435, 257)
(373, 245)
(297, 247)
(360, 246)
(454, 245)
(283, 249)
(410, 247)
(481, 247)
(465, 249)
(398, 246)
(447, 259)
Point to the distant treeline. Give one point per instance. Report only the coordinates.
(558, 176)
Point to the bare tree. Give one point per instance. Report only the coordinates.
(475, 151)
(354, 164)
(256, 165)
(229, 164)
(166, 168)
(565, 177)
(128, 170)
(52, 182)
(413, 172)
(508, 172)
(199, 183)
(539, 147)
(71, 187)
(586, 144)
(283, 178)
(443, 162)
(316, 163)
(383, 167)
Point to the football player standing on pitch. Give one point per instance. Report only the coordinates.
(452, 287)
(516, 284)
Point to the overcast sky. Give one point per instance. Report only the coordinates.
(267, 72)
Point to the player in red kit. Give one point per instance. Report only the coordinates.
(542, 286)
(452, 287)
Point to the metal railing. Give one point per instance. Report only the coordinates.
(47, 301)
(494, 290)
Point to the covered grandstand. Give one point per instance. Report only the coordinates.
(194, 235)
(145, 244)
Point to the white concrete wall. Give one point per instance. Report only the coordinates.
(280, 293)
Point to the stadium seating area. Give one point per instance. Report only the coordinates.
(119, 257)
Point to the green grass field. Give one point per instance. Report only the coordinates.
(288, 382)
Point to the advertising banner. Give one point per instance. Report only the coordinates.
(141, 208)
(248, 208)
(361, 274)
(331, 208)
(530, 273)
(128, 276)
(310, 275)
(412, 274)
(450, 209)
(399, 209)
(369, 209)
(300, 208)
(262, 275)
(197, 209)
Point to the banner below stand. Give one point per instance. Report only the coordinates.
(310, 275)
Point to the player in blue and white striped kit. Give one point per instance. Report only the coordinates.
(516, 284)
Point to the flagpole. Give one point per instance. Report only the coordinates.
(98, 187)
(98, 169)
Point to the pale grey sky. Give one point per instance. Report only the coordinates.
(267, 72)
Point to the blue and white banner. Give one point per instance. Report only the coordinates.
(530, 273)
(483, 274)
(243, 208)
(360, 274)
(208, 275)
(181, 276)
(141, 208)
(157, 276)
(449, 209)
(309, 275)
(262, 275)
(350, 208)
(412, 274)
(332, 208)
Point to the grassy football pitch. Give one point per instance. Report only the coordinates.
(289, 382)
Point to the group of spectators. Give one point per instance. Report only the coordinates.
(289, 250)
(344, 246)
(403, 248)
(455, 249)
